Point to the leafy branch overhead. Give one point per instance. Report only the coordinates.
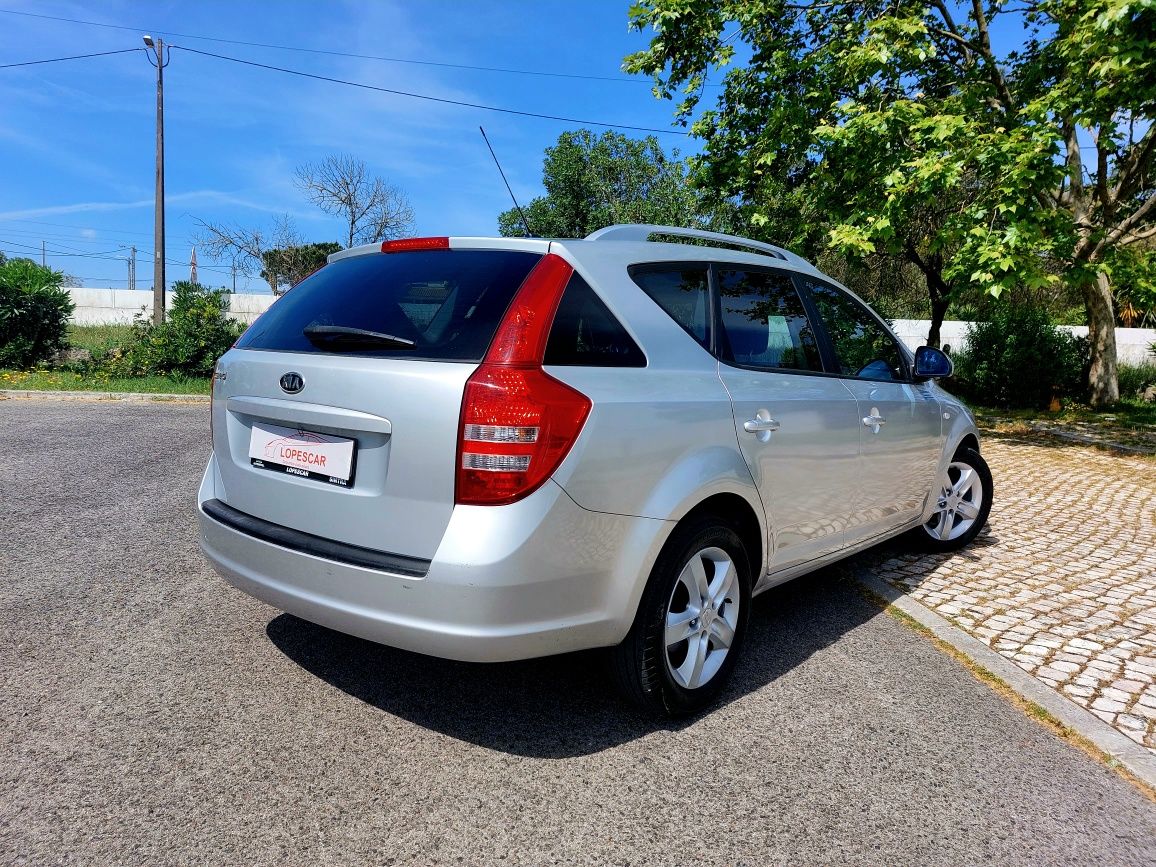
(916, 138)
(594, 181)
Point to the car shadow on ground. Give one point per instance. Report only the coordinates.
(562, 706)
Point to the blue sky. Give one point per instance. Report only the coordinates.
(77, 138)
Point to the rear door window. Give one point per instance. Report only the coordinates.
(683, 291)
(764, 323)
(585, 333)
(442, 305)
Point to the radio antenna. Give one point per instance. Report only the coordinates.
(521, 213)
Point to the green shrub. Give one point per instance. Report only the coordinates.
(196, 333)
(1019, 359)
(34, 313)
(1135, 377)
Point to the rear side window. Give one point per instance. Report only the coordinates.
(683, 291)
(764, 322)
(585, 332)
(442, 305)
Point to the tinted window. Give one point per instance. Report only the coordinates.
(586, 333)
(765, 322)
(863, 348)
(683, 292)
(448, 302)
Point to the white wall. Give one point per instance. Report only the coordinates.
(102, 306)
(99, 306)
(1131, 343)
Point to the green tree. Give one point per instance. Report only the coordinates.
(34, 313)
(285, 267)
(594, 181)
(900, 123)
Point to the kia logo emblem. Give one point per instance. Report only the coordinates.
(292, 382)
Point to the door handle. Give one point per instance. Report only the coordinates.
(874, 421)
(756, 425)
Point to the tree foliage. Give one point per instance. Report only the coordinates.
(594, 181)
(288, 266)
(371, 208)
(34, 313)
(902, 124)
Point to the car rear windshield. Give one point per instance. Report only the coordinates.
(442, 305)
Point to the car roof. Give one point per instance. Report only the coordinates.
(629, 243)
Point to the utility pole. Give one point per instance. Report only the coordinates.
(161, 61)
(132, 268)
(43, 257)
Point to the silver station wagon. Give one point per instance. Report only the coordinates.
(491, 449)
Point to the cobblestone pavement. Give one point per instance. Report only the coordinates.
(1063, 580)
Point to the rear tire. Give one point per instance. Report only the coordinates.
(963, 495)
(690, 624)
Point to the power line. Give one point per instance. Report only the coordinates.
(428, 97)
(71, 57)
(332, 53)
(73, 226)
(141, 253)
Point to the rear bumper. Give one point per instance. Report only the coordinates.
(535, 578)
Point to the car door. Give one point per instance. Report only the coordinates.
(900, 425)
(797, 427)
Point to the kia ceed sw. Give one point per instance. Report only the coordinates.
(493, 449)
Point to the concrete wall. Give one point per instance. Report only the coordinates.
(1131, 343)
(103, 306)
(99, 306)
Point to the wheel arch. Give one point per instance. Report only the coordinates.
(738, 514)
(969, 441)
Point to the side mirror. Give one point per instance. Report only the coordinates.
(931, 363)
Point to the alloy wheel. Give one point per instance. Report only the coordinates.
(959, 503)
(701, 617)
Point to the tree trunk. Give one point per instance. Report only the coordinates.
(938, 290)
(938, 312)
(1103, 386)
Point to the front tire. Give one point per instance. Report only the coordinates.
(690, 623)
(963, 499)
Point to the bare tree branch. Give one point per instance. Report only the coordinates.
(1127, 229)
(371, 209)
(990, 62)
(1132, 170)
(246, 248)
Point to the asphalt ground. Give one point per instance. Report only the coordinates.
(150, 714)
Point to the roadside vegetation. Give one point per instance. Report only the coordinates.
(42, 351)
(55, 379)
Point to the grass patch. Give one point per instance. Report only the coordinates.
(98, 338)
(1128, 414)
(63, 380)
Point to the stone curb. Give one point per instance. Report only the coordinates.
(128, 396)
(1138, 760)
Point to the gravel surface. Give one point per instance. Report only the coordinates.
(150, 714)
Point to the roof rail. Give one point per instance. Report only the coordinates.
(643, 231)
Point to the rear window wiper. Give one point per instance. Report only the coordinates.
(328, 335)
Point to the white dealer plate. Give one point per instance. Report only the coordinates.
(302, 453)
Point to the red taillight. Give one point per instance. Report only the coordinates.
(518, 422)
(403, 245)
